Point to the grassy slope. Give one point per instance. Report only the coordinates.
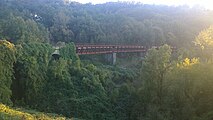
(7, 113)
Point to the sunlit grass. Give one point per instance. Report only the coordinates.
(7, 113)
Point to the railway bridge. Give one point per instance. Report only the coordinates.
(91, 49)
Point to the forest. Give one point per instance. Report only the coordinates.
(165, 84)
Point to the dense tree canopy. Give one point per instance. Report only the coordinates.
(117, 23)
(7, 59)
(204, 43)
(172, 81)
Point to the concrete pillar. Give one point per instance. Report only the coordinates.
(110, 58)
(114, 58)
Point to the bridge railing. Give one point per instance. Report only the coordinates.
(105, 49)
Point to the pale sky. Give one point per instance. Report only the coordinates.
(205, 3)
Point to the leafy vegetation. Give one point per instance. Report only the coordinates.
(7, 58)
(7, 113)
(110, 23)
(167, 84)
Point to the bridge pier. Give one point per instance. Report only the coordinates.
(114, 58)
(111, 58)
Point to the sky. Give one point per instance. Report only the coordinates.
(204, 3)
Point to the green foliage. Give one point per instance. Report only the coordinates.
(152, 91)
(190, 92)
(30, 72)
(67, 86)
(75, 92)
(69, 52)
(18, 30)
(59, 30)
(110, 23)
(7, 59)
(180, 93)
(157, 89)
(204, 41)
(154, 68)
(205, 38)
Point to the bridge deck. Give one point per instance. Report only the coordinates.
(106, 49)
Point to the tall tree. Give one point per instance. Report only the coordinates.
(154, 69)
(7, 59)
(204, 41)
(60, 30)
(30, 72)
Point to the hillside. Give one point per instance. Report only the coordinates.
(109, 23)
(170, 80)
